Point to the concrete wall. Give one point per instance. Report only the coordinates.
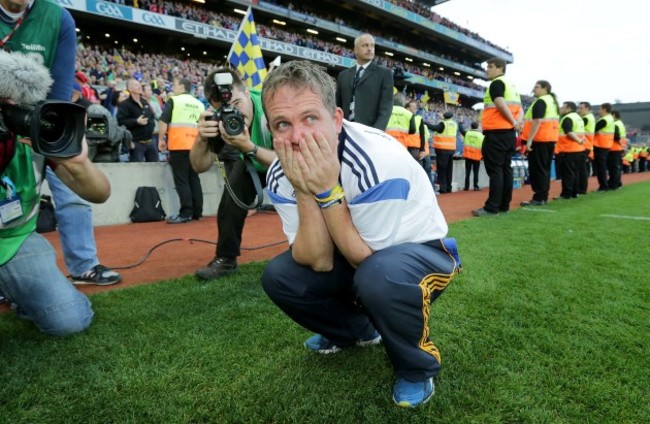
(125, 178)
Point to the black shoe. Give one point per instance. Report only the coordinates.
(217, 268)
(561, 198)
(177, 219)
(534, 203)
(477, 189)
(197, 218)
(482, 212)
(466, 189)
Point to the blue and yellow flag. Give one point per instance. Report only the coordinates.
(246, 54)
(451, 97)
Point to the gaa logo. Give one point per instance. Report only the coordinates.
(150, 18)
(109, 10)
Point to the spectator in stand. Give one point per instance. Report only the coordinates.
(136, 115)
(156, 108)
(87, 91)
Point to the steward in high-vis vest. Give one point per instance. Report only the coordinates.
(541, 132)
(644, 152)
(444, 144)
(584, 110)
(178, 131)
(472, 154)
(571, 149)
(628, 161)
(615, 155)
(401, 125)
(603, 140)
(500, 121)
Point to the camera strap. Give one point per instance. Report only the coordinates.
(259, 193)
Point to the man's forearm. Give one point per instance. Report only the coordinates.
(313, 245)
(345, 235)
(201, 157)
(85, 179)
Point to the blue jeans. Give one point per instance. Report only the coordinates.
(40, 293)
(75, 220)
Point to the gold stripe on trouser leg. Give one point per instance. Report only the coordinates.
(430, 284)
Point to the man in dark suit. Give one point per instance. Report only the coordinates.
(365, 91)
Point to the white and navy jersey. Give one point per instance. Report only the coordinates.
(390, 197)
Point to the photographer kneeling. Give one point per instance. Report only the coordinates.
(233, 146)
(29, 276)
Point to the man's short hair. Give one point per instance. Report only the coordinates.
(607, 107)
(186, 83)
(399, 99)
(571, 106)
(586, 104)
(301, 74)
(474, 125)
(497, 62)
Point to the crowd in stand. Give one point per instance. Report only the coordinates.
(231, 22)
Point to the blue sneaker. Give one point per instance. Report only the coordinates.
(323, 345)
(410, 395)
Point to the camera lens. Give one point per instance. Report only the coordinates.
(233, 125)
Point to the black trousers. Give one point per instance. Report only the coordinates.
(498, 148)
(347, 304)
(230, 217)
(583, 173)
(471, 165)
(600, 166)
(570, 164)
(539, 167)
(188, 184)
(642, 164)
(445, 169)
(614, 162)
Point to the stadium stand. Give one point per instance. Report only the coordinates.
(435, 53)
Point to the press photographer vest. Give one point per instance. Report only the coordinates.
(183, 128)
(38, 35)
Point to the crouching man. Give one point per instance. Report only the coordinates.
(368, 254)
(29, 276)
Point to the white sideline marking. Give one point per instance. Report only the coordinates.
(637, 218)
(535, 209)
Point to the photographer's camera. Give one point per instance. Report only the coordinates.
(232, 119)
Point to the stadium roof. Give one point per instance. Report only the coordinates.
(430, 3)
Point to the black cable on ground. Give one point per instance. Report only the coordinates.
(191, 240)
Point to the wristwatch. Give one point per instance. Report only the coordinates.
(252, 153)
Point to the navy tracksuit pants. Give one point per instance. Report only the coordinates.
(391, 291)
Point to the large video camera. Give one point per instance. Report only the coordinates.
(56, 128)
(232, 119)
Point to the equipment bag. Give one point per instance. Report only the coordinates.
(148, 207)
(46, 221)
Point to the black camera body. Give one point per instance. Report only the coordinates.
(56, 128)
(232, 119)
(96, 128)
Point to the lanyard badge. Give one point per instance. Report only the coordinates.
(10, 207)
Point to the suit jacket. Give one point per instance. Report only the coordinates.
(373, 102)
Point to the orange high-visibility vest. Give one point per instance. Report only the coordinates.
(604, 138)
(566, 144)
(401, 126)
(183, 127)
(620, 146)
(473, 144)
(548, 128)
(446, 140)
(491, 118)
